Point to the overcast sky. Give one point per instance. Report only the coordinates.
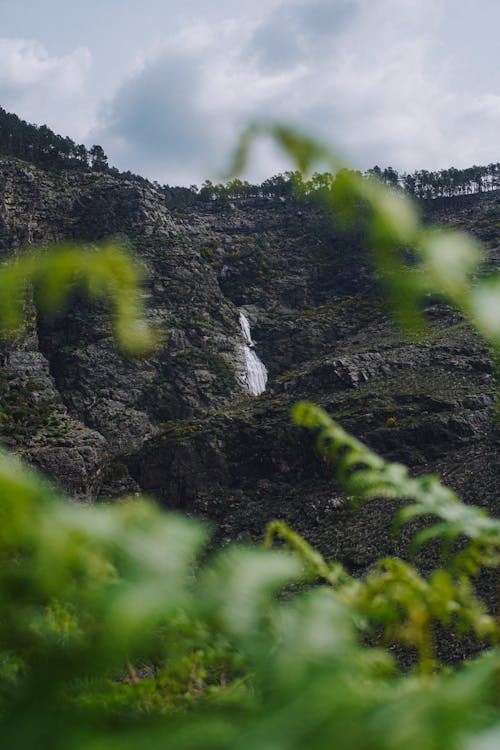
(165, 86)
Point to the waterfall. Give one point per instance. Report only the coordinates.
(255, 372)
(245, 327)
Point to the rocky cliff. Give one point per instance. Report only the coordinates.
(181, 425)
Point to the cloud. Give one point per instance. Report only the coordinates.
(179, 114)
(158, 117)
(366, 84)
(377, 79)
(38, 86)
(25, 65)
(296, 32)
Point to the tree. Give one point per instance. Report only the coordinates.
(98, 159)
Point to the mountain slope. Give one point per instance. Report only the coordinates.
(180, 425)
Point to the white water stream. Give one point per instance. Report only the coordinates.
(255, 371)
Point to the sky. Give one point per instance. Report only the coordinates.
(166, 86)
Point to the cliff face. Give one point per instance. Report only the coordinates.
(67, 371)
(180, 425)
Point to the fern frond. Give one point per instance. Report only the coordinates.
(334, 574)
(364, 475)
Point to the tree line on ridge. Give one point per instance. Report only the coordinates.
(40, 145)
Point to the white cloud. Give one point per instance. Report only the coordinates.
(385, 81)
(362, 75)
(41, 87)
(179, 113)
(25, 63)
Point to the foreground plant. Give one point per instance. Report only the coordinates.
(116, 631)
(104, 272)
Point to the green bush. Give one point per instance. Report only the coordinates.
(118, 629)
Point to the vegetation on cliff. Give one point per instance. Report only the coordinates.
(40, 145)
(422, 184)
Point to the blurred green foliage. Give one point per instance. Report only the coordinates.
(116, 631)
(103, 273)
(119, 630)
